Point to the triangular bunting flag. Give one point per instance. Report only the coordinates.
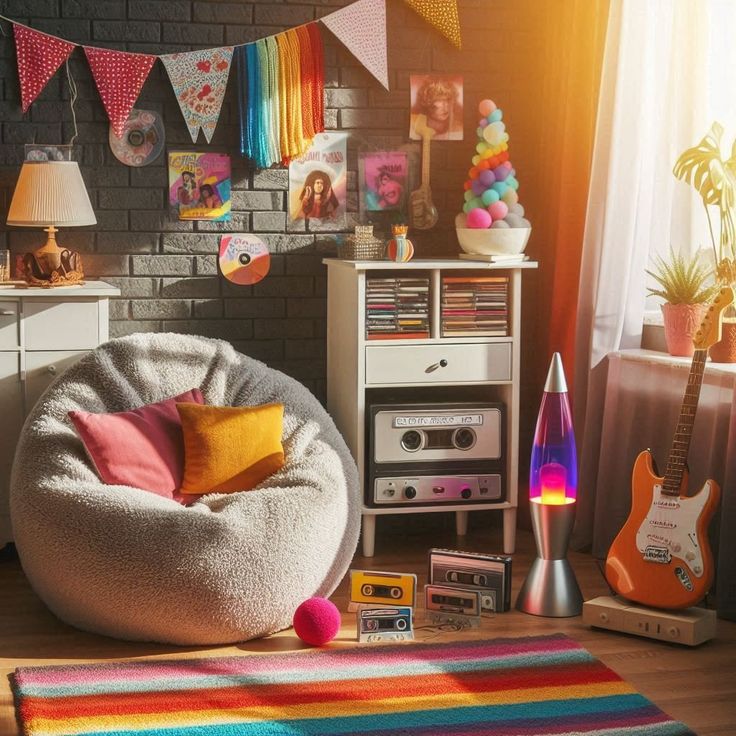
(442, 14)
(361, 26)
(199, 79)
(119, 76)
(39, 56)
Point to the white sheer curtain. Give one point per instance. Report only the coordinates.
(663, 82)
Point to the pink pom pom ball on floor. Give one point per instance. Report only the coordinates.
(317, 621)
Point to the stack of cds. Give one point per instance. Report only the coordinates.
(397, 308)
(475, 306)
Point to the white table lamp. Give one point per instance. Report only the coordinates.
(51, 194)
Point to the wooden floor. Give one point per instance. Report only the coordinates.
(697, 686)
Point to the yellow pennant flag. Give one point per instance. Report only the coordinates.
(442, 14)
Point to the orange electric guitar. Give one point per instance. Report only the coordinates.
(661, 556)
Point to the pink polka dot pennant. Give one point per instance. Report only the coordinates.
(119, 76)
(39, 56)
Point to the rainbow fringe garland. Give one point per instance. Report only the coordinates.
(520, 687)
(280, 95)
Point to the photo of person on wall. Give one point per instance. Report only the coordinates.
(437, 102)
(317, 198)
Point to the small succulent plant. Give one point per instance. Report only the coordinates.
(683, 279)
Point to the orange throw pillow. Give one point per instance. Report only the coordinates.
(230, 448)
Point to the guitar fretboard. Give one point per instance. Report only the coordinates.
(681, 443)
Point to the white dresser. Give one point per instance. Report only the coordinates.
(359, 371)
(42, 332)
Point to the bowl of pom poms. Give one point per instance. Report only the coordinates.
(493, 221)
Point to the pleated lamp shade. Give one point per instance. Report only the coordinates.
(50, 193)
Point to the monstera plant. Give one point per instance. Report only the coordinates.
(715, 180)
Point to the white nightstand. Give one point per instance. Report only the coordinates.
(357, 368)
(42, 332)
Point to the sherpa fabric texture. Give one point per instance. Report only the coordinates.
(126, 563)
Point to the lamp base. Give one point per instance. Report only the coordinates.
(51, 266)
(550, 589)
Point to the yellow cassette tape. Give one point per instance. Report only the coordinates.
(382, 588)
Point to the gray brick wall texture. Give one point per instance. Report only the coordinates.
(167, 270)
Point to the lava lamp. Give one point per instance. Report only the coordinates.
(550, 588)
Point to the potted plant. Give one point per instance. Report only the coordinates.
(715, 180)
(683, 286)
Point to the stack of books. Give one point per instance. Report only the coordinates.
(397, 308)
(475, 306)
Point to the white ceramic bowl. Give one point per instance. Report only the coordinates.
(491, 241)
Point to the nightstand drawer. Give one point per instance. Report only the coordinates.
(451, 363)
(8, 325)
(55, 325)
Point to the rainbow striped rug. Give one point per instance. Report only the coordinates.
(536, 685)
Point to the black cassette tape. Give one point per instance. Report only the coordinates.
(490, 575)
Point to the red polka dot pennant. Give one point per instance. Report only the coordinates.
(119, 76)
(39, 56)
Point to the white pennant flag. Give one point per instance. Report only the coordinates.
(361, 27)
(199, 79)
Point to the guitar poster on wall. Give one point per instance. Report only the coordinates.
(318, 184)
(199, 185)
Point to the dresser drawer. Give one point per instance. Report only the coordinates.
(426, 364)
(43, 367)
(51, 325)
(8, 325)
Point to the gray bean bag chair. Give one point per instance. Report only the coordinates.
(124, 562)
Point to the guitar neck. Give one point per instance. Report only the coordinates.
(426, 138)
(681, 442)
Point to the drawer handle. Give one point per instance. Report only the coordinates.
(435, 366)
(7, 313)
(51, 369)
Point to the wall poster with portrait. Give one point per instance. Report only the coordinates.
(383, 181)
(437, 101)
(318, 184)
(199, 185)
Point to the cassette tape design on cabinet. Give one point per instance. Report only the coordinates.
(490, 575)
(428, 454)
(384, 624)
(382, 588)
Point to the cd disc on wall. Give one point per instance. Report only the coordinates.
(142, 140)
(244, 258)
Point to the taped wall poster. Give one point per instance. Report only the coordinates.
(199, 185)
(317, 184)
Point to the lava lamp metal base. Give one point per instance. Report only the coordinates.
(550, 588)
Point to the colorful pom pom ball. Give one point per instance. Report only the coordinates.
(498, 210)
(478, 187)
(495, 116)
(489, 197)
(317, 621)
(486, 178)
(486, 107)
(479, 218)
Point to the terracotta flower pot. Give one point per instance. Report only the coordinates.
(724, 351)
(681, 322)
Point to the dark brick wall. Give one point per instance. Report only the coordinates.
(166, 269)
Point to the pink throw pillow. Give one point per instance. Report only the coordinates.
(143, 447)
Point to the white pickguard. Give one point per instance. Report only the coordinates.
(669, 529)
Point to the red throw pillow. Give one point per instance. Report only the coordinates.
(143, 447)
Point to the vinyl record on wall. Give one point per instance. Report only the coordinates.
(142, 140)
(244, 258)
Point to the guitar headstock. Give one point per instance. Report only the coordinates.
(422, 129)
(709, 331)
